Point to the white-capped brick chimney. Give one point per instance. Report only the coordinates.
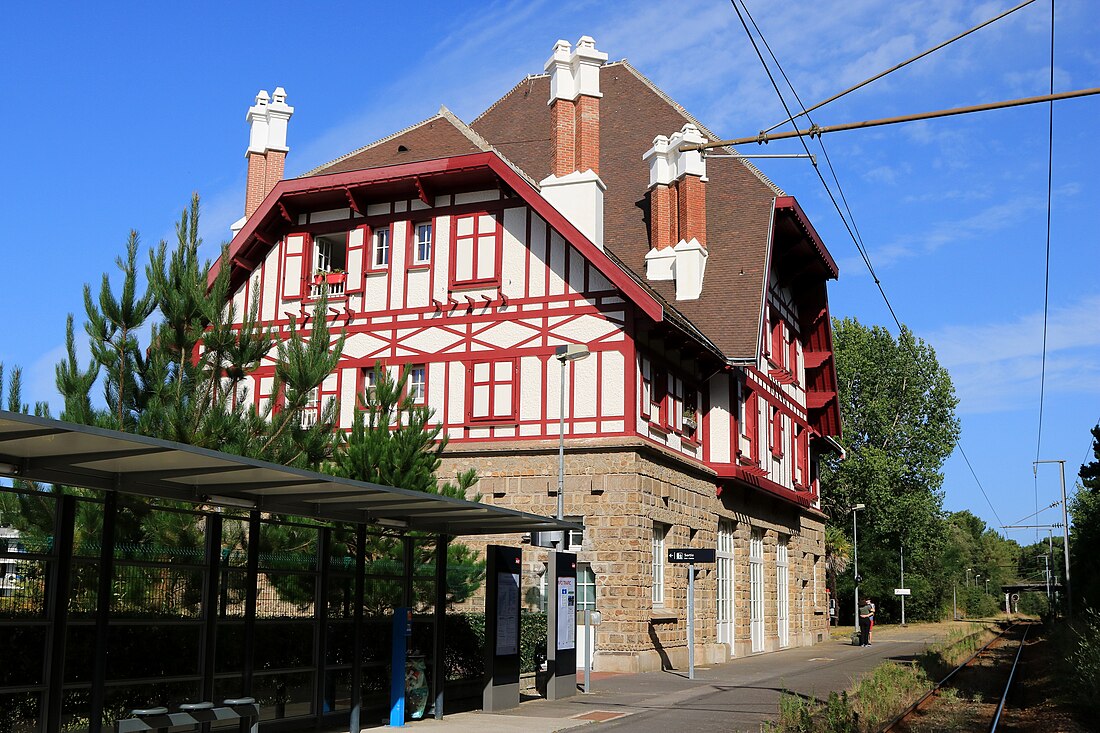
(267, 149)
(574, 187)
(677, 212)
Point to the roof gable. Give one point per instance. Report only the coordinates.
(739, 198)
(274, 217)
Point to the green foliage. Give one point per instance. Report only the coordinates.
(898, 411)
(1085, 540)
(887, 690)
(798, 714)
(392, 442)
(1085, 660)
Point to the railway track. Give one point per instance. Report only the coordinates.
(1014, 635)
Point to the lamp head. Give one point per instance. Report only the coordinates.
(571, 352)
(857, 507)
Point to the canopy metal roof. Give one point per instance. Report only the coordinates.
(51, 451)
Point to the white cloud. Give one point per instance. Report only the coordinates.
(998, 366)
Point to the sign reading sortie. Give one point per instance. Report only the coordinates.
(691, 555)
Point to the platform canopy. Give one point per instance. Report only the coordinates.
(51, 451)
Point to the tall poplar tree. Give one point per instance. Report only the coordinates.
(899, 426)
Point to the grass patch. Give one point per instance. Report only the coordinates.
(884, 692)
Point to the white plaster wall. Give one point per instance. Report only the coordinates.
(378, 209)
(472, 197)
(442, 256)
(530, 388)
(577, 266)
(514, 252)
(537, 283)
(584, 400)
(557, 264)
(597, 281)
(419, 289)
(456, 393)
(719, 420)
(346, 397)
(613, 383)
(316, 217)
(374, 295)
(355, 259)
(269, 299)
(437, 379)
(507, 334)
(398, 234)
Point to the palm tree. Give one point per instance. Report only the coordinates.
(838, 551)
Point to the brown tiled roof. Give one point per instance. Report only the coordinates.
(632, 112)
(435, 137)
(739, 198)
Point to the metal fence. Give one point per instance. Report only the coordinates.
(194, 605)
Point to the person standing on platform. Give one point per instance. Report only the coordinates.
(866, 611)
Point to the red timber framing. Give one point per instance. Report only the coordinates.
(486, 334)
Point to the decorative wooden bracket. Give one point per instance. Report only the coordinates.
(352, 202)
(438, 306)
(286, 214)
(422, 191)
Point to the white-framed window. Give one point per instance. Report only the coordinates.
(813, 567)
(725, 584)
(311, 411)
(586, 587)
(367, 380)
(756, 589)
(660, 531)
(418, 384)
(422, 243)
(380, 248)
(782, 591)
(576, 536)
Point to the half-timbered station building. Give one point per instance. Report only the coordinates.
(567, 214)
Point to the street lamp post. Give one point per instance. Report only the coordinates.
(968, 571)
(566, 353)
(855, 560)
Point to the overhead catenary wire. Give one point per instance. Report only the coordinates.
(1046, 269)
(850, 227)
(1029, 516)
(815, 131)
(876, 77)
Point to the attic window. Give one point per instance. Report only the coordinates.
(402, 149)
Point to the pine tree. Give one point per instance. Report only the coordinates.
(392, 442)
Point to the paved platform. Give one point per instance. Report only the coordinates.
(736, 696)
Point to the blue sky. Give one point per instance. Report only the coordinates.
(114, 113)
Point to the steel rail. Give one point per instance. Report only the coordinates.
(935, 689)
(1008, 685)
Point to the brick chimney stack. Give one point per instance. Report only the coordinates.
(267, 148)
(677, 212)
(574, 186)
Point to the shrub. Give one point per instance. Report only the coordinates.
(1085, 660)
